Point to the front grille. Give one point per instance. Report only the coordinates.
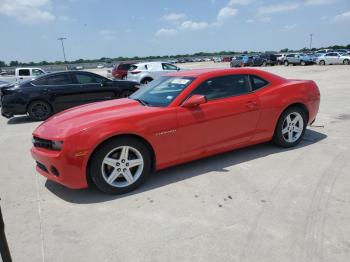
(42, 143)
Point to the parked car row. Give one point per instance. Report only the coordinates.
(256, 60)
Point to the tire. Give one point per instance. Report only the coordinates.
(146, 81)
(346, 62)
(124, 77)
(322, 62)
(264, 63)
(288, 132)
(286, 63)
(39, 110)
(303, 63)
(108, 161)
(125, 93)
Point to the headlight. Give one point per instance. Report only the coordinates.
(57, 145)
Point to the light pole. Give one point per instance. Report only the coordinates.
(311, 35)
(64, 53)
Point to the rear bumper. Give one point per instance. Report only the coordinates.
(60, 167)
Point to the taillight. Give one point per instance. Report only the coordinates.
(135, 72)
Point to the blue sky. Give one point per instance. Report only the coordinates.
(112, 28)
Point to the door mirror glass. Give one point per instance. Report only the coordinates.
(194, 101)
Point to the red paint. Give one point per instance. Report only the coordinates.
(177, 134)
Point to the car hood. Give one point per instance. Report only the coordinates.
(91, 115)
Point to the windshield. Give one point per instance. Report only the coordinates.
(163, 91)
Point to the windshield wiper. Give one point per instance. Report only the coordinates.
(142, 102)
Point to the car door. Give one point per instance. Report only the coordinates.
(92, 88)
(228, 118)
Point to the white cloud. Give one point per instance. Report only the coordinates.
(174, 16)
(166, 32)
(240, 2)
(342, 17)
(64, 18)
(107, 34)
(319, 2)
(249, 21)
(225, 13)
(278, 8)
(289, 27)
(192, 25)
(27, 11)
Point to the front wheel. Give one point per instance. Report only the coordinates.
(125, 93)
(120, 165)
(291, 127)
(346, 62)
(286, 63)
(39, 110)
(322, 62)
(303, 63)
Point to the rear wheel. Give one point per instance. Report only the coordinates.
(322, 62)
(303, 63)
(286, 63)
(39, 110)
(291, 127)
(346, 62)
(120, 165)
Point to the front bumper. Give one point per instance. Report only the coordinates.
(61, 167)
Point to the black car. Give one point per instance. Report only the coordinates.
(51, 93)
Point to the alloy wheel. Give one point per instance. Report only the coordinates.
(40, 110)
(292, 127)
(122, 166)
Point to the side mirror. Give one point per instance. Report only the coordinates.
(194, 101)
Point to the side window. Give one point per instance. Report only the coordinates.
(168, 67)
(40, 81)
(224, 86)
(87, 79)
(24, 72)
(37, 72)
(257, 82)
(62, 79)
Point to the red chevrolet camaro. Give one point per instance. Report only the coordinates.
(177, 118)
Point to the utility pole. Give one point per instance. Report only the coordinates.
(311, 35)
(64, 53)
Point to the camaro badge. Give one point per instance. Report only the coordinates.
(166, 132)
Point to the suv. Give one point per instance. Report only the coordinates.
(298, 59)
(333, 58)
(120, 71)
(268, 59)
(144, 73)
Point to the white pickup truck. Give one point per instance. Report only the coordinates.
(22, 74)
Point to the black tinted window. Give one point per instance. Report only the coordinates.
(224, 86)
(124, 67)
(87, 79)
(40, 81)
(62, 79)
(258, 82)
(24, 72)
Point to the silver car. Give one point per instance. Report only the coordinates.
(333, 58)
(144, 73)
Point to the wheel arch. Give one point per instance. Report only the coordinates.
(295, 104)
(37, 99)
(126, 135)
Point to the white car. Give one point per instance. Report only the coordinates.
(333, 58)
(144, 73)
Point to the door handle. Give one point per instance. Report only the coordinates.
(251, 104)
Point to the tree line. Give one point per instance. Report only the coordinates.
(16, 63)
